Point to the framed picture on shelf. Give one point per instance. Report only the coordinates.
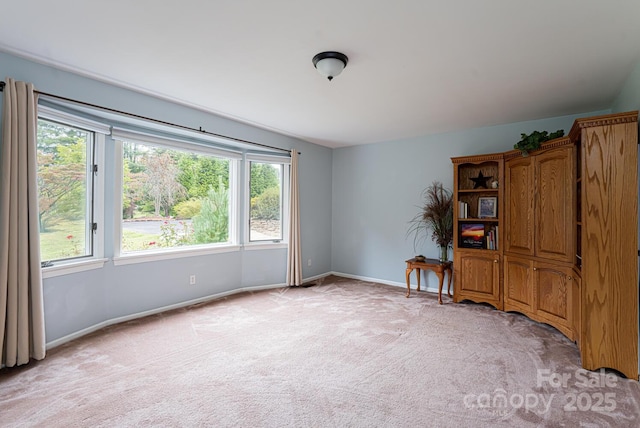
(471, 235)
(487, 207)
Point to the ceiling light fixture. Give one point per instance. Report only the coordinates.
(330, 64)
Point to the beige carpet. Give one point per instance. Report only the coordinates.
(343, 353)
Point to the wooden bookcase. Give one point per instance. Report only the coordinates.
(477, 236)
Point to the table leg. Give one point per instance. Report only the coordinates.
(450, 272)
(440, 274)
(408, 276)
(418, 274)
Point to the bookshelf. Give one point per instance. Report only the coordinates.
(477, 241)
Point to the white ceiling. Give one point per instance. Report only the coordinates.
(416, 67)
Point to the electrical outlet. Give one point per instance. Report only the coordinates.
(192, 280)
(309, 262)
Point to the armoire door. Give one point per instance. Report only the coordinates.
(555, 205)
(519, 209)
(554, 296)
(477, 277)
(518, 284)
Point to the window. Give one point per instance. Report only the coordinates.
(267, 211)
(67, 189)
(175, 196)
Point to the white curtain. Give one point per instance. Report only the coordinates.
(21, 301)
(294, 260)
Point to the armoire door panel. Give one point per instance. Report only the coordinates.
(477, 274)
(554, 209)
(519, 211)
(553, 293)
(477, 277)
(518, 283)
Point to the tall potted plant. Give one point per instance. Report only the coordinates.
(434, 219)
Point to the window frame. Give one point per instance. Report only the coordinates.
(123, 258)
(95, 197)
(286, 183)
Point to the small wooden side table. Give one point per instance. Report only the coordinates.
(433, 265)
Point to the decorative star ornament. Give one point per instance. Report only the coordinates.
(480, 181)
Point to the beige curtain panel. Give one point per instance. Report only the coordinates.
(22, 334)
(294, 259)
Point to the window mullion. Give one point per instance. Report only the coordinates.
(91, 176)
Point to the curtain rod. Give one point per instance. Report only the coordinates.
(162, 122)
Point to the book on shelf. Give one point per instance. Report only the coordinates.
(463, 209)
(492, 238)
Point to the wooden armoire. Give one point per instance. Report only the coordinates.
(562, 247)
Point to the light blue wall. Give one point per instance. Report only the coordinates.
(629, 97)
(80, 301)
(377, 188)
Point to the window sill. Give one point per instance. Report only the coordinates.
(167, 255)
(264, 246)
(72, 267)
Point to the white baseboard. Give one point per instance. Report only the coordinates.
(314, 278)
(386, 282)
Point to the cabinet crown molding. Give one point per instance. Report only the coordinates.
(477, 158)
(547, 145)
(605, 120)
